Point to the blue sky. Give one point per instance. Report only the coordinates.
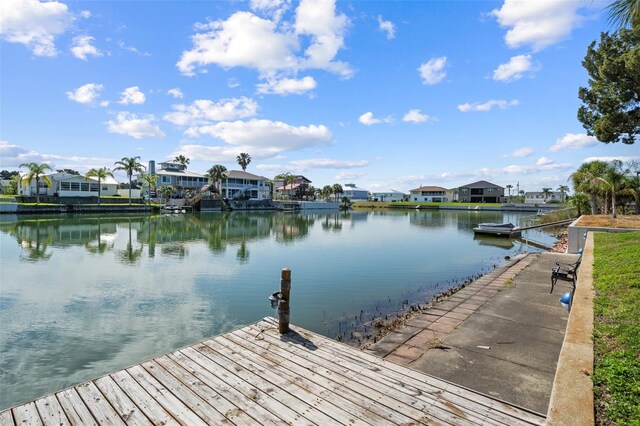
(384, 94)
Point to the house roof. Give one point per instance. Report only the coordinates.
(386, 191)
(430, 188)
(481, 184)
(239, 174)
(288, 187)
(163, 172)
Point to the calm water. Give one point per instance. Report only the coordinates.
(83, 296)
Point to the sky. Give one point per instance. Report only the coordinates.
(382, 94)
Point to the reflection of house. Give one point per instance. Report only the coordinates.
(388, 195)
(65, 184)
(354, 193)
(242, 185)
(540, 197)
(295, 190)
(481, 192)
(432, 194)
(176, 175)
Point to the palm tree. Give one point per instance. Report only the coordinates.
(215, 174)
(546, 192)
(129, 165)
(181, 159)
(585, 179)
(243, 160)
(337, 190)
(166, 192)
(149, 181)
(37, 173)
(101, 174)
(563, 192)
(326, 191)
(616, 182)
(509, 189)
(580, 201)
(623, 13)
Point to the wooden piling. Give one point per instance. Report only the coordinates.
(283, 304)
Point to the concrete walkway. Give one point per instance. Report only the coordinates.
(501, 335)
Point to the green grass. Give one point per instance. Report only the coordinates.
(616, 378)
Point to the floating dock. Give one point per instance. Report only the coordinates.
(254, 375)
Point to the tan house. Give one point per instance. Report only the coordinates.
(481, 192)
(432, 194)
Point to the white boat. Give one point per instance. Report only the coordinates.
(500, 229)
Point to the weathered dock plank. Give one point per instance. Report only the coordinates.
(254, 375)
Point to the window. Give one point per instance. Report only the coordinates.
(75, 186)
(94, 187)
(84, 186)
(65, 186)
(490, 191)
(464, 191)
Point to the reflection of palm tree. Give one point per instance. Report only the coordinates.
(130, 255)
(243, 253)
(37, 250)
(101, 247)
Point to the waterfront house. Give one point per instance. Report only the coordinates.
(354, 193)
(431, 194)
(65, 184)
(292, 191)
(237, 185)
(481, 192)
(452, 194)
(388, 195)
(539, 197)
(177, 176)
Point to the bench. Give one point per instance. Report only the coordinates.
(566, 272)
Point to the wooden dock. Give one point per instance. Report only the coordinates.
(254, 375)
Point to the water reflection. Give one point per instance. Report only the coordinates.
(172, 233)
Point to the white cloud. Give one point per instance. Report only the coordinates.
(205, 111)
(86, 94)
(34, 24)
(85, 14)
(287, 86)
(487, 106)
(623, 158)
(539, 23)
(387, 27)
(522, 152)
(325, 163)
(176, 93)
(122, 45)
(265, 136)
(246, 40)
(574, 141)
(368, 119)
(415, 116)
(132, 95)
(346, 176)
(11, 156)
(514, 69)
(233, 83)
(271, 8)
(135, 126)
(544, 161)
(81, 47)
(432, 71)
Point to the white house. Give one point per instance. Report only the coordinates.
(354, 193)
(64, 184)
(388, 195)
(242, 185)
(538, 197)
(431, 194)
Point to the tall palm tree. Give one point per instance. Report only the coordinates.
(563, 192)
(509, 187)
(546, 192)
(243, 160)
(215, 174)
(101, 174)
(337, 190)
(129, 165)
(326, 191)
(181, 159)
(623, 13)
(36, 172)
(580, 201)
